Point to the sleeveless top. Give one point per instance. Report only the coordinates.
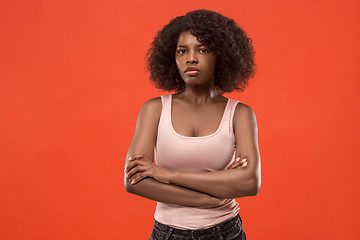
(209, 153)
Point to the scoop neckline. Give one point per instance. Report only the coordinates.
(200, 137)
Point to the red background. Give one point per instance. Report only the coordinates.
(72, 81)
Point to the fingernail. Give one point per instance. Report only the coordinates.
(132, 182)
(130, 158)
(237, 159)
(245, 164)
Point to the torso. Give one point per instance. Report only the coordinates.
(195, 139)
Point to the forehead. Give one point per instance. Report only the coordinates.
(186, 38)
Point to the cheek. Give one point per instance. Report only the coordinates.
(177, 64)
(212, 64)
(210, 60)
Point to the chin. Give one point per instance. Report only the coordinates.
(193, 82)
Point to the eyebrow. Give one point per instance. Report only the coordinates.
(184, 46)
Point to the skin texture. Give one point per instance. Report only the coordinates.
(197, 111)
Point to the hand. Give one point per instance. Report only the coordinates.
(237, 163)
(140, 167)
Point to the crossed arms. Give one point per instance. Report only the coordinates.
(209, 189)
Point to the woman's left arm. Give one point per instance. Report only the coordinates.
(225, 184)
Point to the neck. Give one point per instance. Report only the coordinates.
(200, 94)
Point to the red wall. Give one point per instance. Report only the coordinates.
(72, 81)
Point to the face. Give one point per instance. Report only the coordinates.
(196, 63)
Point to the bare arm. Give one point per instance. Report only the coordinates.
(167, 193)
(232, 183)
(143, 143)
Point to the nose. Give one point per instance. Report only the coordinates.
(192, 59)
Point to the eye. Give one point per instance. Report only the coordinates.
(181, 51)
(204, 50)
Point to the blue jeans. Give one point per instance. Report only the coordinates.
(229, 230)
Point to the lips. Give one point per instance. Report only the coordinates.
(192, 69)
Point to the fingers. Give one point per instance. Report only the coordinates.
(137, 156)
(136, 170)
(133, 164)
(140, 177)
(244, 163)
(237, 163)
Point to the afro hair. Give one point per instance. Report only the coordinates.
(233, 50)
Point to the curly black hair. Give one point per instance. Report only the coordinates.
(233, 50)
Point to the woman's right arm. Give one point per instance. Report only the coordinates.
(143, 143)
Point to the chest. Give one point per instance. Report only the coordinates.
(195, 139)
(197, 120)
(194, 154)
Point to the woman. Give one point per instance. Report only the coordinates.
(206, 148)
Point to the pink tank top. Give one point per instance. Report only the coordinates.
(209, 153)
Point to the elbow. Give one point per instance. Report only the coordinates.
(255, 185)
(137, 188)
(128, 186)
(251, 187)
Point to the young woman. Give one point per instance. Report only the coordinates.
(205, 145)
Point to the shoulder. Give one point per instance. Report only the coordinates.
(243, 110)
(151, 109)
(153, 104)
(244, 115)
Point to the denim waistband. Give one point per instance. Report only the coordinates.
(203, 231)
